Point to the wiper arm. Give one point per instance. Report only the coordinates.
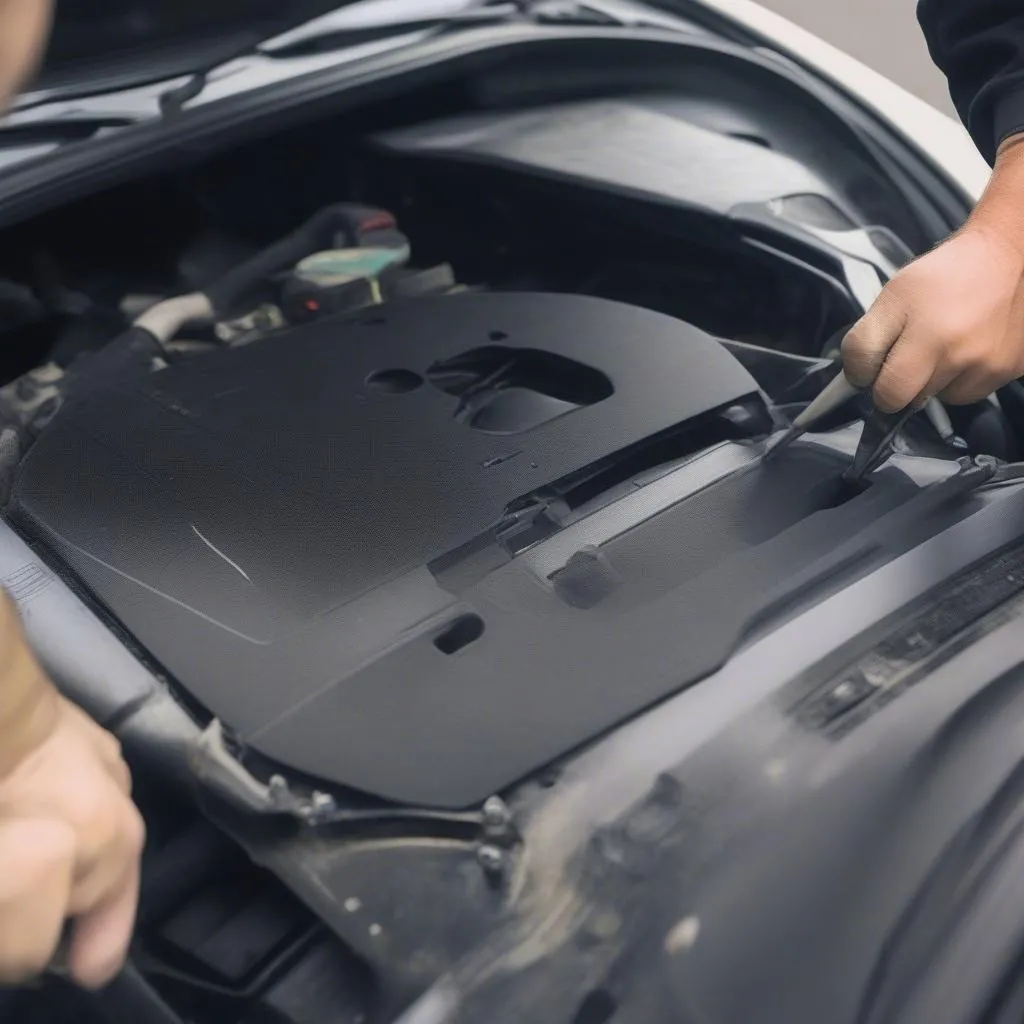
(348, 27)
(59, 130)
(379, 19)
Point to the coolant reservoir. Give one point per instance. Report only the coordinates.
(341, 266)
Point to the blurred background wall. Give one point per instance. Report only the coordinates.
(881, 33)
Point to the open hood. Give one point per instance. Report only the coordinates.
(107, 40)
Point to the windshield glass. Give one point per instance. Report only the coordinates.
(89, 31)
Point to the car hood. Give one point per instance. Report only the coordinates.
(96, 41)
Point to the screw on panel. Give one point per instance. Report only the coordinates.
(278, 790)
(844, 691)
(497, 817)
(492, 860)
(323, 802)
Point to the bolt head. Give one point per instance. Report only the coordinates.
(496, 813)
(491, 859)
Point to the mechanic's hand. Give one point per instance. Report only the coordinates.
(949, 325)
(70, 842)
(24, 25)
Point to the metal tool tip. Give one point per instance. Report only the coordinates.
(783, 442)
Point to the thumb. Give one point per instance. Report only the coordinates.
(868, 342)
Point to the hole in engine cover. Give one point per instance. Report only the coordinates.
(836, 491)
(465, 630)
(394, 382)
(508, 391)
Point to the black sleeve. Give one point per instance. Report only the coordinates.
(979, 46)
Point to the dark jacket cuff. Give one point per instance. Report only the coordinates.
(1008, 114)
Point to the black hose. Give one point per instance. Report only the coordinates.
(320, 232)
(93, 668)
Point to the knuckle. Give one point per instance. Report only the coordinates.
(958, 342)
(958, 359)
(102, 831)
(33, 866)
(891, 395)
(134, 832)
(860, 359)
(862, 338)
(854, 339)
(942, 338)
(956, 394)
(93, 813)
(948, 325)
(855, 355)
(112, 745)
(1006, 367)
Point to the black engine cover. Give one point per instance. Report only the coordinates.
(283, 526)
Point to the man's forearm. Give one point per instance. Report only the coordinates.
(29, 702)
(1000, 211)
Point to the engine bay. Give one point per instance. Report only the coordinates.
(412, 481)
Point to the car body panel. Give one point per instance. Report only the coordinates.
(944, 140)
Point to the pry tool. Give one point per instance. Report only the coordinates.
(876, 442)
(833, 395)
(880, 428)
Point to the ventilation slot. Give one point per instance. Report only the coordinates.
(465, 630)
(751, 138)
(506, 391)
(394, 382)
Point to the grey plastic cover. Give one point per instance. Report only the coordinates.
(269, 523)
